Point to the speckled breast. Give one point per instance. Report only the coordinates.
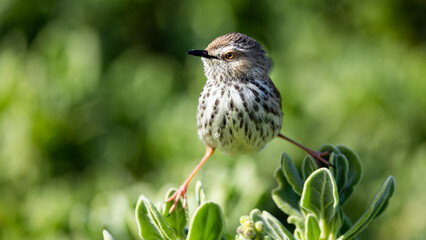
(239, 116)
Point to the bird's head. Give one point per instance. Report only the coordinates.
(233, 56)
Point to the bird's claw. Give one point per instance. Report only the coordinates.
(318, 157)
(323, 154)
(181, 192)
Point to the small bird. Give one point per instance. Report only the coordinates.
(239, 108)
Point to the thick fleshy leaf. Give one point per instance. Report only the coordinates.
(355, 172)
(298, 233)
(178, 218)
(298, 221)
(272, 227)
(340, 170)
(308, 167)
(291, 173)
(346, 224)
(200, 195)
(207, 223)
(320, 195)
(335, 225)
(312, 229)
(328, 148)
(107, 235)
(284, 196)
(150, 222)
(377, 206)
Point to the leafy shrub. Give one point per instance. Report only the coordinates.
(312, 198)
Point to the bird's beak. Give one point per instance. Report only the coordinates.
(200, 53)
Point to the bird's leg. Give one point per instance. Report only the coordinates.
(316, 155)
(181, 192)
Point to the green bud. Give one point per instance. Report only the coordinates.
(244, 219)
(250, 233)
(239, 237)
(258, 226)
(248, 224)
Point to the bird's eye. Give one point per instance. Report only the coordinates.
(229, 55)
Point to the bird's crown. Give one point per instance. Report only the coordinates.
(237, 40)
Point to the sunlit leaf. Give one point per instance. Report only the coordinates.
(312, 229)
(320, 195)
(284, 196)
(207, 223)
(377, 206)
(150, 222)
(178, 218)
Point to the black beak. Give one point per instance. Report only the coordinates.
(200, 53)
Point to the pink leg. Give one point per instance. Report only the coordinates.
(181, 192)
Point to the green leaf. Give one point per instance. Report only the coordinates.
(291, 173)
(320, 195)
(107, 235)
(377, 206)
(272, 227)
(340, 170)
(312, 229)
(298, 233)
(178, 218)
(328, 148)
(150, 222)
(308, 167)
(355, 172)
(200, 195)
(346, 224)
(284, 196)
(208, 223)
(297, 220)
(336, 224)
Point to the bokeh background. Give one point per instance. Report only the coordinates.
(98, 102)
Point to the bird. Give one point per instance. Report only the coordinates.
(239, 108)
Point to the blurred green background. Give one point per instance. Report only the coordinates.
(98, 102)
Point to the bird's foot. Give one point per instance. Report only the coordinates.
(181, 192)
(318, 157)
